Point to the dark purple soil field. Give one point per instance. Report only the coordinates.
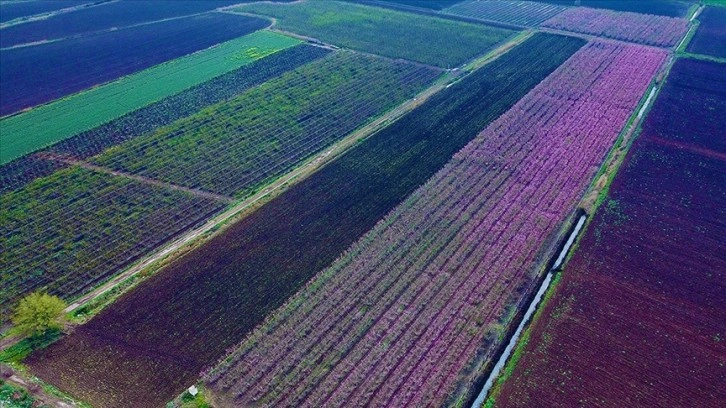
(34, 75)
(106, 16)
(638, 318)
(710, 38)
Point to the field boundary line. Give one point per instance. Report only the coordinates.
(102, 31)
(48, 14)
(702, 57)
(141, 179)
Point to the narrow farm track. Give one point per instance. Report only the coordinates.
(321, 43)
(590, 37)
(40, 395)
(141, 179)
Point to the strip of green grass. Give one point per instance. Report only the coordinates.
(45, 125)
(394, 34)
(18, 351)
(12, 396)
(721, 3)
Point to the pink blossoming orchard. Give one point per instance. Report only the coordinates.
(659, 31)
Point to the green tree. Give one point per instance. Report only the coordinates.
(39, 312)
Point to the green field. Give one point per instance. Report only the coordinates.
(45, 125)
(394, 34)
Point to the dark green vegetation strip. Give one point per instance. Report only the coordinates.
(153, 342)
(234, 147)
(20, 172)
(394, 34)
(162, 113)
(70, 231)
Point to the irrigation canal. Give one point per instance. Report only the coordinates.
(530, 311)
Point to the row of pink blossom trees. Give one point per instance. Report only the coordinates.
(400, 317)
(660, 31)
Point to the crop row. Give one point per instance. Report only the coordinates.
(645, 29)
(184, 318)
(524, 13)
(232, 148)
(394, 34)
(41, 73)
(45, 125)
(70, 231)
(638, 315)
(397, 319)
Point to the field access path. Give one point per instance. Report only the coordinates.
(146, 180)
